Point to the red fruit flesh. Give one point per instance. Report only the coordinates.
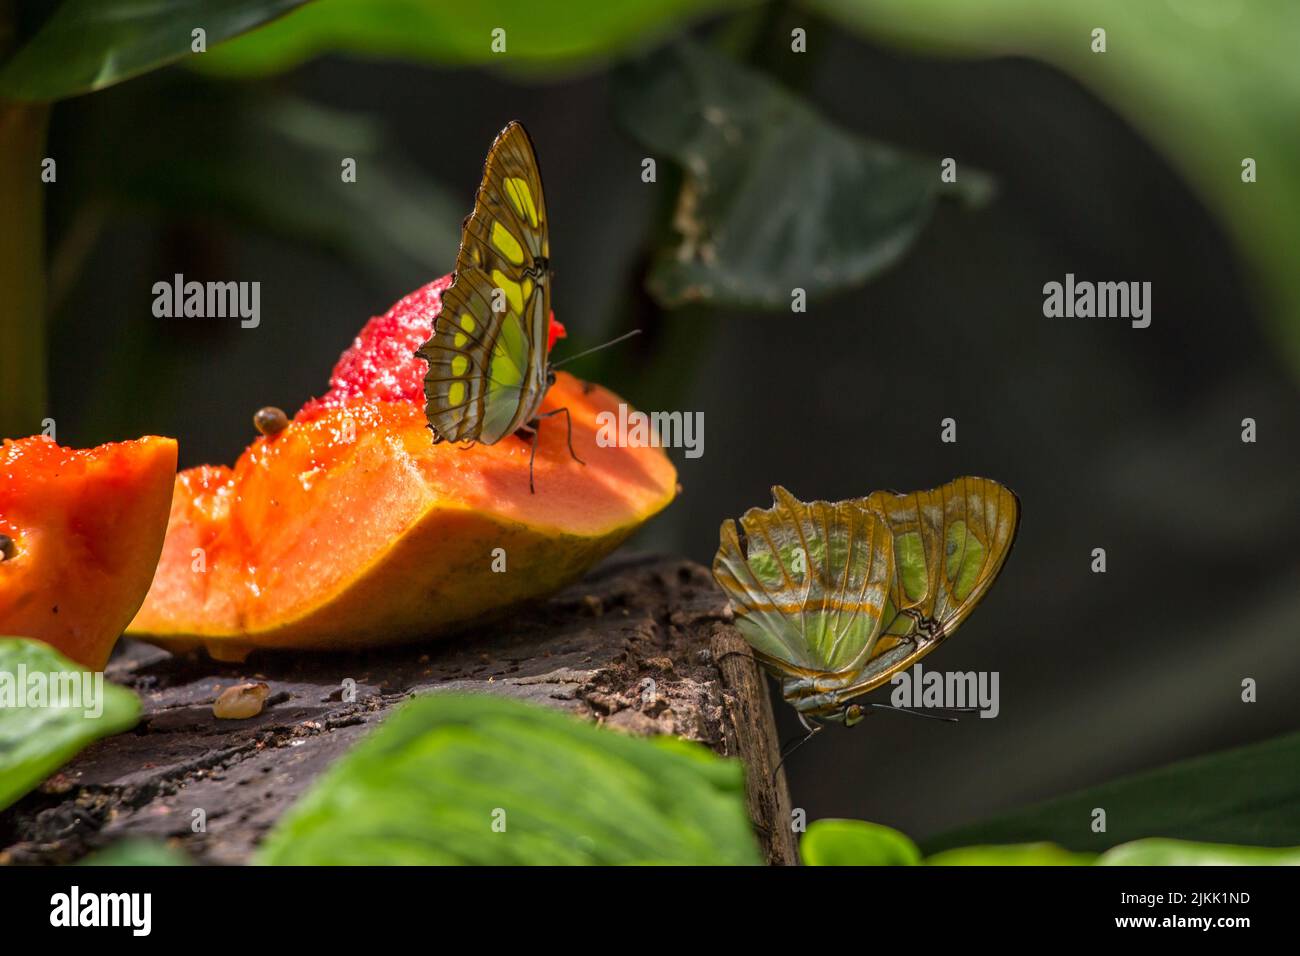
(381, 364)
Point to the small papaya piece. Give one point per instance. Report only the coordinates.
(84, 529)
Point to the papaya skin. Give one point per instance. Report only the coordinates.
(87, 529)
(352, 529)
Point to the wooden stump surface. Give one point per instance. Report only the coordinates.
(592, 650)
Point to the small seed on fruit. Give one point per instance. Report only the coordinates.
(270, 420)
(7, 547)
(241, 701)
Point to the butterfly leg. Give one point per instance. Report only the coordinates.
(813, 731)
(529, 433)
(568, 419)
(533, 429)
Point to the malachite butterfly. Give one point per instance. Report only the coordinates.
(836, 598)
(488, 368)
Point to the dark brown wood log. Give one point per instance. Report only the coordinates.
(592, 649)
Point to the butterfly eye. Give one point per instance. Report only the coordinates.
(853, 714)
(550, 378)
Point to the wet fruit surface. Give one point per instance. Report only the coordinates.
(351, 527)
(84, 529)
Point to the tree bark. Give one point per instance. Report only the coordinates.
(593, 649)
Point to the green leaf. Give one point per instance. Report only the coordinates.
(537, 35)
(38, 735)
(87, 45)
(1209, 82)
(1018, 854)
(774, 197)
(1250, 795)
(137, 852)
(274, 162)
(1157, 852)
(428, 786)
(856, 843)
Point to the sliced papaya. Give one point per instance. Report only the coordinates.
(81, 534)
(351, 528)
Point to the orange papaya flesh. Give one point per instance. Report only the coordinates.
(84, 530)
(350, 528)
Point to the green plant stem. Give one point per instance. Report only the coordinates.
(22, 268)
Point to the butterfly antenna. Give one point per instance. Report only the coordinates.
(621, 338)
(797, 744)
(914, 713)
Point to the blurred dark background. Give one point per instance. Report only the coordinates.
(1114, 437)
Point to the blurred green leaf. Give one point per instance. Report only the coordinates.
(1211, 82)
(427, 786)
(537, 35)
(137, 852)
(1250, 795)
(87, 45)
(274, 162)
(856, 843)
(41, 735)
(1016, 854)
(774, 197)
(1157, 852)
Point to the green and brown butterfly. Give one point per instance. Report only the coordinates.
(488, 355)
(836, 598)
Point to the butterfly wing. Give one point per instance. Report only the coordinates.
(809, 582)
(950, 544)
(487, 355)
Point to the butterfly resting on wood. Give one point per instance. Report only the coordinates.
(836, 598)
(488, 356)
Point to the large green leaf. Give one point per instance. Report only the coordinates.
(428, 786)
(90, 44)
(774, 198)
(1211, 82)
(1250, 795)
(274, 162)
(38, 735)
(537, 35)
(856, 843)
